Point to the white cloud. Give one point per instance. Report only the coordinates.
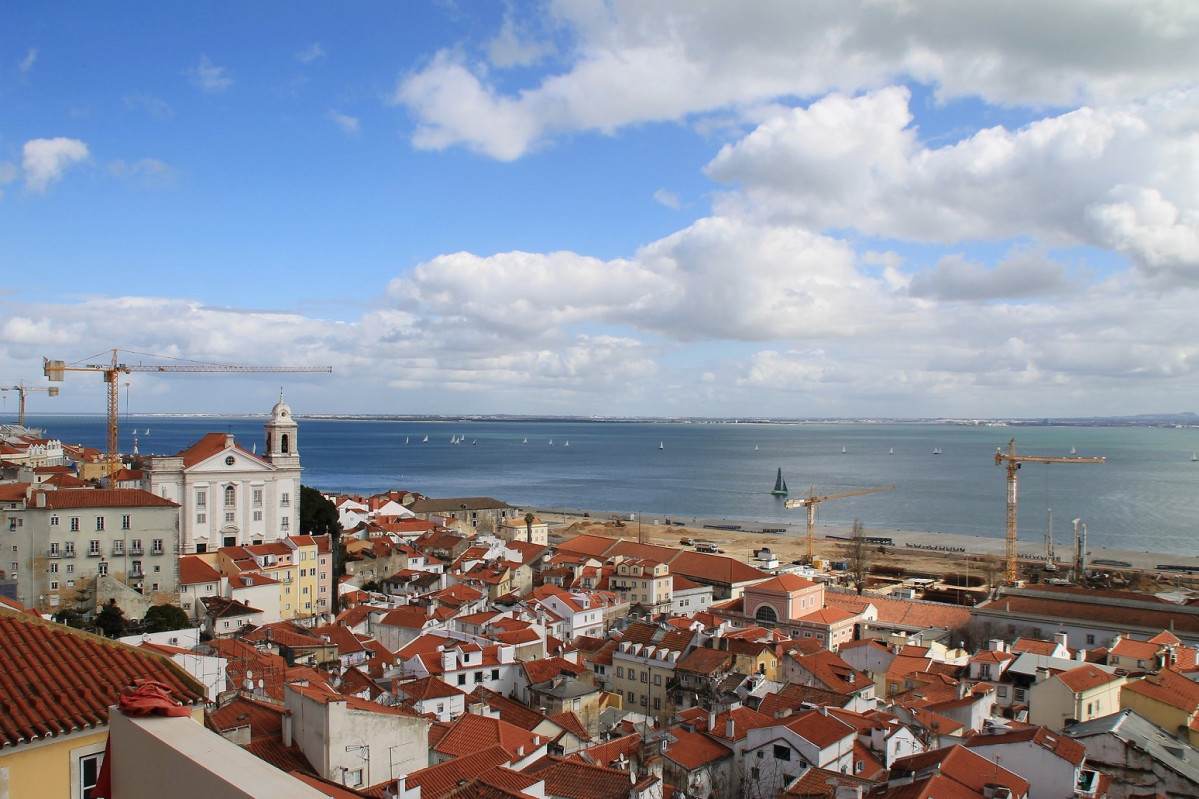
(668, 198)
(27, 62)
(45, 160)
(1117, 178)
(209, 78)
(311, 53)
(348, 124)
(635, 61)
(1023, 274)
(515, 47)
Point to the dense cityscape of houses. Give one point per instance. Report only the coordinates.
(460, 647)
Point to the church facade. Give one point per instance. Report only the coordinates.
(229, 496)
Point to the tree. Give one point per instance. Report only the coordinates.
(529, 517)
(111, 619)
(318, 514)
(161, 618)
(857, 556)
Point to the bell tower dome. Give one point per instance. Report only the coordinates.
(282, 437)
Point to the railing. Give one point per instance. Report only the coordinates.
(135, 550)
(118, 548)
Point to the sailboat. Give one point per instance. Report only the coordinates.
(937, 451)
(526, 441)
(1073, 450)
(566, 444)
(426, 441)
(755, 447)
(661, 445)
(405, 439)
(892, 452)
(843, 450)
(1194, 457)
(780, 485)
(551, 442)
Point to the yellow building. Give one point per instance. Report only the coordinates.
(56, 685)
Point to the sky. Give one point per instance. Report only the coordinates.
(881, 208)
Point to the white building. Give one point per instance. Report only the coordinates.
(231, 497)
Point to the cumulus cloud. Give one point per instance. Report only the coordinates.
(208, 77)
(1023, 274)
(45, 160)
(28, 61)
(514, 46)
(1118, 178)
(668, 198)
(647, 61)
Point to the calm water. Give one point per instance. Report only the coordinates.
(1146, 497)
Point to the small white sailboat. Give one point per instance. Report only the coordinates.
(474, 442)
(566, 443)
(755, 447)
(426, 441)
(661, 445)
(892, 452)
(1194, 457)
(551, 442)
(843, 450)
(526, 441)
(1073, 450)
(405, 439)
(937, 451)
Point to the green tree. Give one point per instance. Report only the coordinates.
(161, 618)
(529, 517)
(111, 619)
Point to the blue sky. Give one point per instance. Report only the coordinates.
(622, 208)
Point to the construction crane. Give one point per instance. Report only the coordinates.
(55, 372)
(21, 389)
(811, 501)
(1013, 462)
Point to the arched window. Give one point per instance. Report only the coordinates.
(284, 441)
(767, 614)
(230, 496)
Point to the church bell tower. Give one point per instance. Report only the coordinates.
(282, 437)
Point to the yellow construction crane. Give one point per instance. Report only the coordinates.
(1013, 461)
(811, 501)
(21, 389)
(55, 371)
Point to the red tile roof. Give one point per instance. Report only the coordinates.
(193, 570)
(1168, 687)
(68, 498)
(55, 680)
(572, 779)
(208, 446)
(1086, 678)
(439, 780)
(691, 750)
(473, 733)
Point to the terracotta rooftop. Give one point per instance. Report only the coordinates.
(1068, 749)
(1168, 687)
(473, 733)
(1086, 678)
(691, 750)
(55, 680)
(70, 498)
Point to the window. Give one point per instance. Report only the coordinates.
(135, 546)
(1001, 691)
(257, 515)
(74, 523)
(201, 518)
(478, 677)
(99, 522)
(15, 566)
(93, 548)
(89, 774)
(495, 674)
(118, 547)
(657, 679)
(229, 516)
(102, 568)
(54, 520)
(136, 569)
(462, 679)
(354, 778)
(644, 674)
(1018, 694)
(230, 496)
(125, 522)
(257, 497)
(54, 568)
(632, 697)
(1090, 640)
(754, 773)
(70, 568)
(54, 585)
(54, 551)
(285, 500)
(782, 752)
(284, 523)
(201, 498)
(657, 703)
(156, 545)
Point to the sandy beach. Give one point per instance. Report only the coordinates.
(932, 550)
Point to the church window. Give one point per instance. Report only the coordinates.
(767, 614)
(201, 498)
(285, 443)
(230, 496)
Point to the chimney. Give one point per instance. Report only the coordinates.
(730, 728)
(1081, 656)
(712, 720)
(1063, 640)
(287, 728)
(228, 441)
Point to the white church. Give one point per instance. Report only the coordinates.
(228, 496)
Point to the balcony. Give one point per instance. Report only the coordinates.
(157, 551)
(53, 553)
(95, 553)
(118, 548)
(68, 553)
(137, 550)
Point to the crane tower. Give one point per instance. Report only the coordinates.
(1013, 462)
(21, 390)
(811, 501)
(55, 371)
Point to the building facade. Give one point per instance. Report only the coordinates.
(231, 497)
